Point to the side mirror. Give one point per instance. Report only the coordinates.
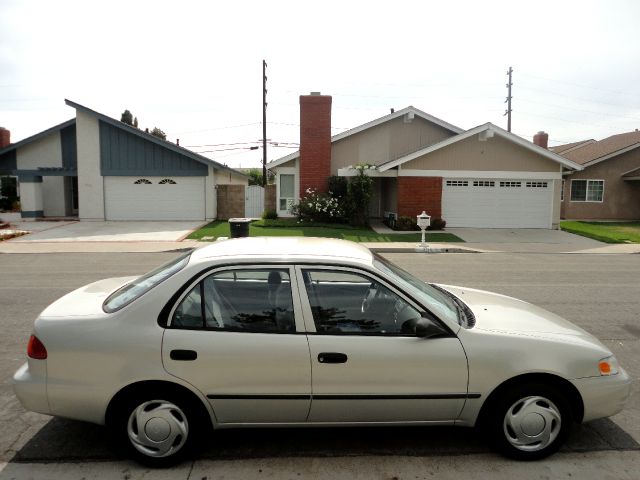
(427, 328)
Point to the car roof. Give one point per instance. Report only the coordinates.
(284, 248)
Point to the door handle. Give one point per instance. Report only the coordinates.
(186, 355)
(332, 357)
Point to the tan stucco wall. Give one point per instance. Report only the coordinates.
(45, 152)
(621, 199)
(226, 177)
(90, 183)
(385, 142)
(557, 204)
(494, 154)
(53, 196)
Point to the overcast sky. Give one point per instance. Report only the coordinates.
(194, 69)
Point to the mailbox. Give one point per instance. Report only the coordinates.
(424, 220)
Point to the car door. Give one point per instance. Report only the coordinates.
(233, 334)
(367, 363)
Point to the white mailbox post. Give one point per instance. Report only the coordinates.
(424, 221)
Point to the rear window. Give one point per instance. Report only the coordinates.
(131, 291)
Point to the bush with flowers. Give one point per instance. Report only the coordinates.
(318, 207)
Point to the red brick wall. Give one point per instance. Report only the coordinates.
(315, 142)
(5, 137)
(416, 194)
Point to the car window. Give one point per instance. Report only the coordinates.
(435, 300)
(347, 302)
(142, 285)
(247, 300)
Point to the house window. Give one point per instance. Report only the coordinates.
(511, 184)
(142, 181)
(167, 181)
(457, 183)
(287, 195)
(484, 183)
(587, 190)
(537, 184)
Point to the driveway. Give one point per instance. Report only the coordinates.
(534, 240)
(100, 231)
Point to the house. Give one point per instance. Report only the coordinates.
(99, 168)
(482, 177)
(608, 187)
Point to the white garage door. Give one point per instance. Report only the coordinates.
(497, 203)
(154, 198)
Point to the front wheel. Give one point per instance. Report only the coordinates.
(530, 422)
(159, 430)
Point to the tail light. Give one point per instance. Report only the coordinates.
(36, 349)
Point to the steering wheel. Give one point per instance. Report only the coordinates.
(372, 294)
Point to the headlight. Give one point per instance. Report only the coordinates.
(609, 366)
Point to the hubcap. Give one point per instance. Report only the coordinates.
(532, 423)
(157, 428)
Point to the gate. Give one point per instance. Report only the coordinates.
(253, 201)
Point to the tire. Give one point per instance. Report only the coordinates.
(159, 429)
(529, 422)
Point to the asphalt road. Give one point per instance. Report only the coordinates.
(601, 293)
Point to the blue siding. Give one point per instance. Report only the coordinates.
(8, 162)
(69, 149)
(125, 154)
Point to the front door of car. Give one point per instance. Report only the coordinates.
(233, 335)
(367, 363)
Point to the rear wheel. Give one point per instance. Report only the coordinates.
(530, 422)
(159, 429)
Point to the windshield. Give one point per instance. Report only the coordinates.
(437, 302)
(142, 285)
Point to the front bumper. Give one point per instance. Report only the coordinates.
(603, 396)
(30, 386)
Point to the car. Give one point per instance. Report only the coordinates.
(272, 332)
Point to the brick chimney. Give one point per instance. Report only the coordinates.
(5, 137)
(541, 139)
(315, 142)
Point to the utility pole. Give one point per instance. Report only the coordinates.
(508, 100)
(264, 123)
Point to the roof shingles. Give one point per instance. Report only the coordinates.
(602, 148)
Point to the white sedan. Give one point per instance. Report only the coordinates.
(271, 332)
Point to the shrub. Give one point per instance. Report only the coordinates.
(317, 207)
(437, 224)
(338, 186)
(406, 224)
(269, 215)
(359, 193)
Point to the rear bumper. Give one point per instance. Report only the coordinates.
(603, 396)
(30, 386)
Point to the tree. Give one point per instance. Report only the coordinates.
(126, 117)
(135, 122)
(156, 132)
(255, 176)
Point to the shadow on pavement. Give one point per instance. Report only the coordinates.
(63, 440)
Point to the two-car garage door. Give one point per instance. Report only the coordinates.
(154, 198)
(497, 203)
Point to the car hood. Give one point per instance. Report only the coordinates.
(85, 301)
(500, 313)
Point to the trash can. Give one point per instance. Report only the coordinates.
(239, 227)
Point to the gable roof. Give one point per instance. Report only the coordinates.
(153, 139)
(567, 147)
(374, 123)
(604, 149)
(632, 174)
(37, 136)
(489, 128)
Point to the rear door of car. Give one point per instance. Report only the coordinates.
(367, 363)
(237, 335)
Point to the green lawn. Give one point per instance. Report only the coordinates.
(609, 232)
(287, 228)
